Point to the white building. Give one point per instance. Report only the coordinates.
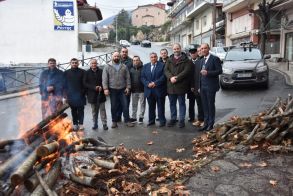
(33, 31)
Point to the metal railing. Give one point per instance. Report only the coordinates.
(15, 79)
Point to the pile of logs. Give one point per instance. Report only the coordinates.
(269, 130)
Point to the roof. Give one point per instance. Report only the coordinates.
(148, 5)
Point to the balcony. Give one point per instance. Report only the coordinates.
(197, 7)
(177, 7)
(234, 5)
(87, 32)
(180, 22)
(88, 13)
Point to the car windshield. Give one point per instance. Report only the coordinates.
(241, 55)
(220, 50)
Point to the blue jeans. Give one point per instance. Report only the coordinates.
(154, 100)
(182, 107)
(118, 99)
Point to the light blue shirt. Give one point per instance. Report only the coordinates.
(117, 66)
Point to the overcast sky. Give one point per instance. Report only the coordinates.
(112, 7)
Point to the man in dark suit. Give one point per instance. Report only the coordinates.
(193, 95)
(211, 68)
(155, 89)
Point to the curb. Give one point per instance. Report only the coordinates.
(286, 76)
(19, 94)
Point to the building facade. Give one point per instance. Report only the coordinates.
(149, 15)
(33, 31)
(192, 22)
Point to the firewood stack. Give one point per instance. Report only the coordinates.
(269, 130)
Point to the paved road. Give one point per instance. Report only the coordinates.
(232, 102)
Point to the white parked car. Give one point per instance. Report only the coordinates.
(219, 52)
(124, 43)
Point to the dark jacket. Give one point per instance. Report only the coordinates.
(135, 77)
(214, 69)
(127, 62)
(53, 78)
(92, 79)
(161, 60)
(181, 69)
(194, 77)
(158, 77)
(74, 88)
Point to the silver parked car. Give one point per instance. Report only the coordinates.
(243, 66)
(219, 52)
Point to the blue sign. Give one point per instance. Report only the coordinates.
(63, 15)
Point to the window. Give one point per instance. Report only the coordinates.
(146, 9)
(197, 24)
(136, 16)
(158, 13)
(204, 20)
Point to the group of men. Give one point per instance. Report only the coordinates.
(127, 80)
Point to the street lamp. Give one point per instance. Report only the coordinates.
(116, 29)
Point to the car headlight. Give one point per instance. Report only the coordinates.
(261, 68)
(227, 70)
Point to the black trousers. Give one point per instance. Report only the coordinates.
(192, 98)
(77, 114)
(154, 101)
(208, 101)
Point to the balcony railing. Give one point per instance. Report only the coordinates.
(87, 31)
(177, 7)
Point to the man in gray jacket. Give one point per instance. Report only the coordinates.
(116, 83)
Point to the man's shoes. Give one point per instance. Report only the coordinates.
(75, 127)
(204, 128)
(162, 125)
(181, 124)
(95, 127)
(132, 120)
(81, 127)
(171, 123)
(119, 119)
(114, 125)
(198, 123)
(157, 119)
(105, 127)
(210, 128)
(150, 124)
(129, 124)
(191, 120)
(140, 120)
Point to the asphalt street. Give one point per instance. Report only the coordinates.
(20, 114)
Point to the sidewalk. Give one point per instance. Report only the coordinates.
(285, 68)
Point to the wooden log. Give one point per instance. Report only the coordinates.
(230, 131)
(153, 169)
(84, 180)
(99, 148)
(276, 104)
(45, 186)
(250, 136)
(31, 183)
(17, 159)
(48, 149)
(37, 128)
(89, 172)
(287, 113)
(18, 176)
(5, 143)
(289, 105)
(50, 179)
(104, 164)
(272, 134)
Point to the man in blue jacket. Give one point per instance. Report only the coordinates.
(211, 68)
(51, 85)
(155, 88)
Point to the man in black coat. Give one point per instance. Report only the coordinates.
(75, 93)
(95, 94)
(211, 68)
(194, 95)
(177, 72)
(164, 55)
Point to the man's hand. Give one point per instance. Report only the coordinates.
(98, 88)
(127, 91)
(192, 89)
(50, 88)
(204, 72)
(151, 85)
(173, 79)
(106, 92)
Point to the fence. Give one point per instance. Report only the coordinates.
(14, 79)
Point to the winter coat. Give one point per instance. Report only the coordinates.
(135, 76)
(194, 78)
(92, 79)
(74, 88)
(181, 69)
(127, 62)
(53, 78)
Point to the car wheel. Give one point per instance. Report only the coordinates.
(223, 87)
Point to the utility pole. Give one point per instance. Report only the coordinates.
(214, 23)
(116, 29)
